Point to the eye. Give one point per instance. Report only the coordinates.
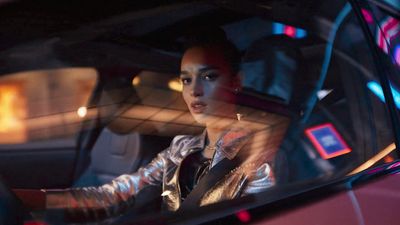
(186, 80)
(210, 76)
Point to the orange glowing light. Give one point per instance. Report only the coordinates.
(8, 113)
(175, 85)
(12, 112)
(388, 159)
(136, 81)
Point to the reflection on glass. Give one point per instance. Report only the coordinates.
(82, 111)
(136, 81)
(42, 104)
(175, 85)
(374, 159)
(12, 112)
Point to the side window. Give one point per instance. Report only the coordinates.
(349, 125)
(383, 21)
(343, 124)
(43, 106)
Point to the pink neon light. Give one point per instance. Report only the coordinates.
(320, 148)
(243, 216)
(381, 41)
(375, 170)
(389, 29)
(367, 16)
(289, 31)
(394, 165)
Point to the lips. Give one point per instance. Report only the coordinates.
(198, 106)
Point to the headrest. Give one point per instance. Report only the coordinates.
(272, 67)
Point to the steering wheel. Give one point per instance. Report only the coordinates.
(11, 208)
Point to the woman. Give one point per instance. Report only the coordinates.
(224, 151)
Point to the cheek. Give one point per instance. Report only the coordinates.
(221, 91)
(185, 95)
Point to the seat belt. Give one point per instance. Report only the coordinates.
(215, 174)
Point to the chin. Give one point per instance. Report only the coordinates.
(201, 118)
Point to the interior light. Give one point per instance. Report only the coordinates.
(388, 159)
(9, 119)
(136, 81)
(397, 55)
(374, 159)
(278, 28)
(175, 85)
(323, 93)
(367, 15)
(82, 111)
(244, 216)
(376, 88)
(300, 33)
(293, 32)
(290, 31)
(388, 29)
(327, 140)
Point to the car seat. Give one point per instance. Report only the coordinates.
(275, 67)
(119, 153)
(108, 144)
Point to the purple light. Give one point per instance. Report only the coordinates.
(375, 170)
(394, 165)
(397, 55)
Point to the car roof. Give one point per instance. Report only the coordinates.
(122, 33)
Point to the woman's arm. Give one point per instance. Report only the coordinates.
(106, 200)
(32, 199)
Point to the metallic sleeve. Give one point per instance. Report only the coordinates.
(109, 199)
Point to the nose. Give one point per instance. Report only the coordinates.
(197, 88)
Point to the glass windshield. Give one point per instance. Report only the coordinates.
(287, 89)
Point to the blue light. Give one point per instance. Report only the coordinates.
(277, 28)
(300, 33)
(377, 90)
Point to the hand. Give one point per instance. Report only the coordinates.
(31, 198)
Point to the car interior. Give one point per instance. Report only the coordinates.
(133, 106)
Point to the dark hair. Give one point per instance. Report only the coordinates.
(214, 37)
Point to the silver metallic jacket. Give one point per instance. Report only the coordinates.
(116, 196)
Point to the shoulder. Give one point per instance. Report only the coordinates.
(182, 144)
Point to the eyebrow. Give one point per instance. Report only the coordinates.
(202, 70)
(184, 72)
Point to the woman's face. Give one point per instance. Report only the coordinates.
(208, 84)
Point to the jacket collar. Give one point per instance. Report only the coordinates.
(228, 144)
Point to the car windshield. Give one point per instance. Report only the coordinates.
(92, 90)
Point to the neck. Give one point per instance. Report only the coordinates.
(213, 134)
